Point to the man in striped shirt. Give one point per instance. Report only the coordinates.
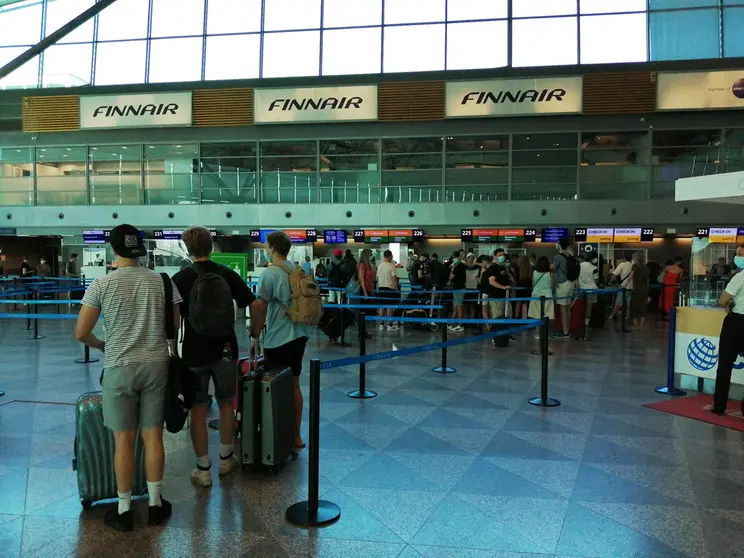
(132, 302)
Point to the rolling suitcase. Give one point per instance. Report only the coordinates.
(330, 323)
(267, 418)
(93, 458)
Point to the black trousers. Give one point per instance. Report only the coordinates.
(730, 345)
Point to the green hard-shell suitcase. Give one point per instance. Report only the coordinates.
(266, 421)
(94, 454)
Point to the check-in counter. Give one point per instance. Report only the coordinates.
(696, 343)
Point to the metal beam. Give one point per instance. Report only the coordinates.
(4, 3)
(63, 31)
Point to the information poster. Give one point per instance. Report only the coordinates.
(237, 262)
(727, 235)
(605, 235)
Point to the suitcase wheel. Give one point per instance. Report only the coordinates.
(87, 504)
(271, 472)
(293, 456)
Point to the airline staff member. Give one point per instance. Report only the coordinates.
(732, 333)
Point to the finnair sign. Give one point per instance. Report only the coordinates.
(513, 97)
(315, 104)
(144, 110)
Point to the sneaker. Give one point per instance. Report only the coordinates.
(560, 335)
(451, 327)
(228, 465)
(203, 477)
(393, 327)
(382, 326)
(458, 329)
(119, 521)
(157, 515)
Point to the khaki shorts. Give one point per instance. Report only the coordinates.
(134, 396)
(497, 308)
(533, 311)
(567, 288)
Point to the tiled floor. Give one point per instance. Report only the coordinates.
(436, 466)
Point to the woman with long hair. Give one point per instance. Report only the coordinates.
(670, 286)
(524, 285)
(366, 278)
(542, 285)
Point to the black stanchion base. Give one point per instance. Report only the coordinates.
(540, 402)
(2, 393)
(539, 353)
(358, 394)
(88, 361)
(36, 337)
(670, 391)
(299, 514)
(445, 370)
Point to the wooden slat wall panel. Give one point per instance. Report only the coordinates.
(411, 101)
(223, 107)
(58, 113)
(620, 93)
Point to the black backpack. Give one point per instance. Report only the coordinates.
(337, 275)
(573, 268)
(211, 311)
(321, 271)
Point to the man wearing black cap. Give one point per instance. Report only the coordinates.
(132, 303)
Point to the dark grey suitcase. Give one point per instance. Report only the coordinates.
(94, 454)
(266, 421)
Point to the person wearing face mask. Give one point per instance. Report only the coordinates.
(731, 342)
(496, 284)
(567, 270)
(588, 274)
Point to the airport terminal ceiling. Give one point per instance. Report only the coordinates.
(139, 41)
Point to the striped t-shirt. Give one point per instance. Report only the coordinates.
(132, 302)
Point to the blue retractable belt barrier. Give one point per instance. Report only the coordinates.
(385, 306)
(451, 320)
(39, 302)
(39, 316)
(423, 348)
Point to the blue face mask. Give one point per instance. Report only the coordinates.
(739, 262)
(501, 259)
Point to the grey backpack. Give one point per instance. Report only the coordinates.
(211, 312)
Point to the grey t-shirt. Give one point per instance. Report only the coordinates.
(132, 302)
(561, 268)
(273, 287)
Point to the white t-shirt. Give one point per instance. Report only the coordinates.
(588, 275)
(736, 289)
(623, 271)
(386, 275)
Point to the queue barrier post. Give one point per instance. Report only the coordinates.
(543, 333)
(444, 369)
(362, 392)
(86, 359)
(28, 297)
(544, 400)
(36, 335)
(341, 340)
(624, 311)
(313, 512)
(669, 388)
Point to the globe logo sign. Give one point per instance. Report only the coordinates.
(702, 354)
(738, 88)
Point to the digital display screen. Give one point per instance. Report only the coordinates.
(311, 235)
(213, 232)
(403, 235)
(634, 234)
(740, 236)
(511, 235)
(297, 237)
(647, 234)
(485, 235)
(358, 236)
(376, 236)
(418, 234)
(167, 235)
(553, 234)
(255, 235)
(96, 237)
(334, 236)
(600, 235)
(580, 235)
(530, 235)
(722, 235)
(702, 232)
(466, 235)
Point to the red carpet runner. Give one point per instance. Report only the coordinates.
(698, 408)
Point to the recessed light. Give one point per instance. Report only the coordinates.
(18, 150)
(41, 156)
(179, 146)
(94, 148)
(65, 155)
(69, 148)
(124, 147)
(43, 149)
(151, 146)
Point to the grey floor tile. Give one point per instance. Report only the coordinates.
(443, 418)
(598, 486)
(456, 522)
(604, 425)
(556, 476)
(506, 444)
(13, 491)
(334, 437)
(485, 478)
(418, 441)
(528, 422)
(381, 471)
(586, 533)
(599, 450)
(444, 471)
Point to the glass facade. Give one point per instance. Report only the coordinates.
(154, 41)
(465, 168)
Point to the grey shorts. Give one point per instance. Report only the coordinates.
(134, 396)
(224, 374)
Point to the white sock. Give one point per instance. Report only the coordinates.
(203, 462)
(226, 450)
(125, 501)
(154, 489)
